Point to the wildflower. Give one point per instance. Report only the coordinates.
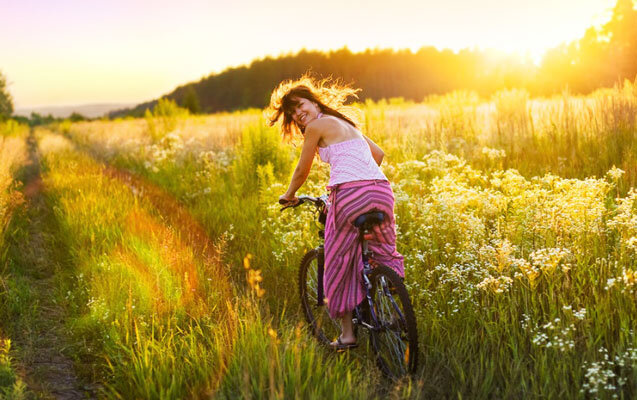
(581, 314)
(254, 277)
(503, 255)
(495, 285)
(615, 173)
(530, 272)
(629, 277)
(548, 260)
(493, 154)
(246, 261)
(272, 333)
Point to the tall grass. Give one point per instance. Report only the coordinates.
(518, 233)
(141, 299)
(12, 156)
(11, 386)
(165, 117)
(146, 301)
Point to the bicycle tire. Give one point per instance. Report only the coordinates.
(396, 344)
(322, 325)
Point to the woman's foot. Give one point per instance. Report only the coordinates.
(341, 344)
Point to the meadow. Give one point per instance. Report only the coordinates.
(176, 272)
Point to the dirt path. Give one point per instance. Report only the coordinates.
(41, 335)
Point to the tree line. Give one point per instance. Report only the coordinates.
(603, 57)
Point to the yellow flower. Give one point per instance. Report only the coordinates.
(503, 255)
(254, 277)
(272, 333)
(495, 285)
(629, 277)
(298, 330)
(246, 261)
(615, 173)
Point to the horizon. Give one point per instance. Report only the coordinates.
(73, 54)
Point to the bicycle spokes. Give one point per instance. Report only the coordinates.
(323, 326)
(391, 336)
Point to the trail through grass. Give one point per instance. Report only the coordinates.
(181, 269)
(34, 316)
(523, 279)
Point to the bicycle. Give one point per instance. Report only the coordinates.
(386, 311)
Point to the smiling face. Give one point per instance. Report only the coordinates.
(304, 111)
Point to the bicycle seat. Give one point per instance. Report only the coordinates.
(369, 219)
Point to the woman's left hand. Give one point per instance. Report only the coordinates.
(286, 199)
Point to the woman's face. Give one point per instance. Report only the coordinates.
(304, 112)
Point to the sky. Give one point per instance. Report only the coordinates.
(70, 52)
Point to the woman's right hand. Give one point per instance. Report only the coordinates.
(286, 199)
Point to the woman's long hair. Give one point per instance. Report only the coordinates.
(329, 96)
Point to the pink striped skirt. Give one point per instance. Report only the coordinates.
(343, 254)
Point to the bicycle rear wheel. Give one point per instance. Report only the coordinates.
(395, 341)
(323, 326)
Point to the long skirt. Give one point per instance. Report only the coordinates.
(343, 253)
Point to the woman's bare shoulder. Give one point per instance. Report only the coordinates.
(326, 122)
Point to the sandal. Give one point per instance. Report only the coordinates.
(340, 346)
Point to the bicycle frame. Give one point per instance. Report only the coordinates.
(367, 269)
(385, 310)
(358, 317)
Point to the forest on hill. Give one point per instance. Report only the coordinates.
(602, 57)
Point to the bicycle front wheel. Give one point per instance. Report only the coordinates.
(395, 338)
(323, 326)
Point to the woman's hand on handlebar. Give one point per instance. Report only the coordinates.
(287, 200)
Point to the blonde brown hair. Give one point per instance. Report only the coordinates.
(328, 95)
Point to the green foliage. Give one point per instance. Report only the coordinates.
(77, 117)
(260, 145)
(6, 102)
(524, 281)
(139, 299)
(512, 119)
(13, 128)
(165, 118)
(191, 101)
(11, 386)
(146, 368)
(600, 58)
(37, 119)
(286, 363)
(458, 117)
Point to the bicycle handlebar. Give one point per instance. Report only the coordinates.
(317, 201)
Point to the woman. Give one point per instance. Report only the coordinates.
(357, 185)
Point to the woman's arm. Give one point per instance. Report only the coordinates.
(377, 153)
(312, 137)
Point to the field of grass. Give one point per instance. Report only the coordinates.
(12, 156)
(176, 272)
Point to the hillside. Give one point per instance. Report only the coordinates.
(87, 110)
(602, 57)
